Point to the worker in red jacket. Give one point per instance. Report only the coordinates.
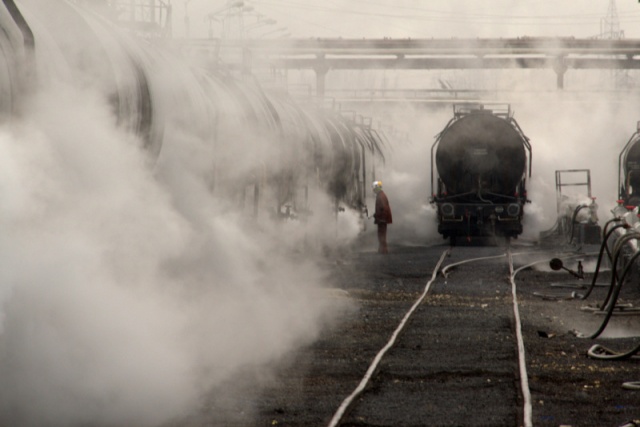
(382, 216)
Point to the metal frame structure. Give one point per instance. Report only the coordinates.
(560, 184)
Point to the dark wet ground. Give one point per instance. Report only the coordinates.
(456, 361)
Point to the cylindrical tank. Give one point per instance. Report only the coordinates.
(481, 152)
(632, 167)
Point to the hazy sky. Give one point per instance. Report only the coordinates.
(418, 18)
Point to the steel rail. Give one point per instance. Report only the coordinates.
(337, 417)
(524, 380)
(522, 362)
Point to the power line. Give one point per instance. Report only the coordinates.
(439, 15)
(380, 17)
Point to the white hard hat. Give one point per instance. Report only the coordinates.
(376, 185)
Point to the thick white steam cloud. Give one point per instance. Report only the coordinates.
(126, 295)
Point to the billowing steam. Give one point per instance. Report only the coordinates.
(128, 293)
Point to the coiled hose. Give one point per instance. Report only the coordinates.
(573, 220)
(616, 286)
(603, 247)
(598, 351)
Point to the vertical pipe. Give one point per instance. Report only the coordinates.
(321, 70)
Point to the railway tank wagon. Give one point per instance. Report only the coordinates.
(629, 171)
(255, 147)
(480, 160)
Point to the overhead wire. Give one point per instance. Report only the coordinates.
(443, 16)
(407, 19)
(284, 9)
(411, 24)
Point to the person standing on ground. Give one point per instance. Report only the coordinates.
(382, 216)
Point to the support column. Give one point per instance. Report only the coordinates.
(560, 67)
(321, 70)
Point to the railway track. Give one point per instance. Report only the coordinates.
(488, 365)
(437, 337)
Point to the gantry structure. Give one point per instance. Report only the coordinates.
(323, 55)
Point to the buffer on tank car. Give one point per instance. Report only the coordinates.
(480, 162)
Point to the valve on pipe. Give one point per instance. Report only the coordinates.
(557, 264)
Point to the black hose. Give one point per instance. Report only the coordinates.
(607, 246)
(603, 246)
(607, 224)
(614, 292)
(617, 249)
(573, 219)
(603, 353)
(598, 351)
